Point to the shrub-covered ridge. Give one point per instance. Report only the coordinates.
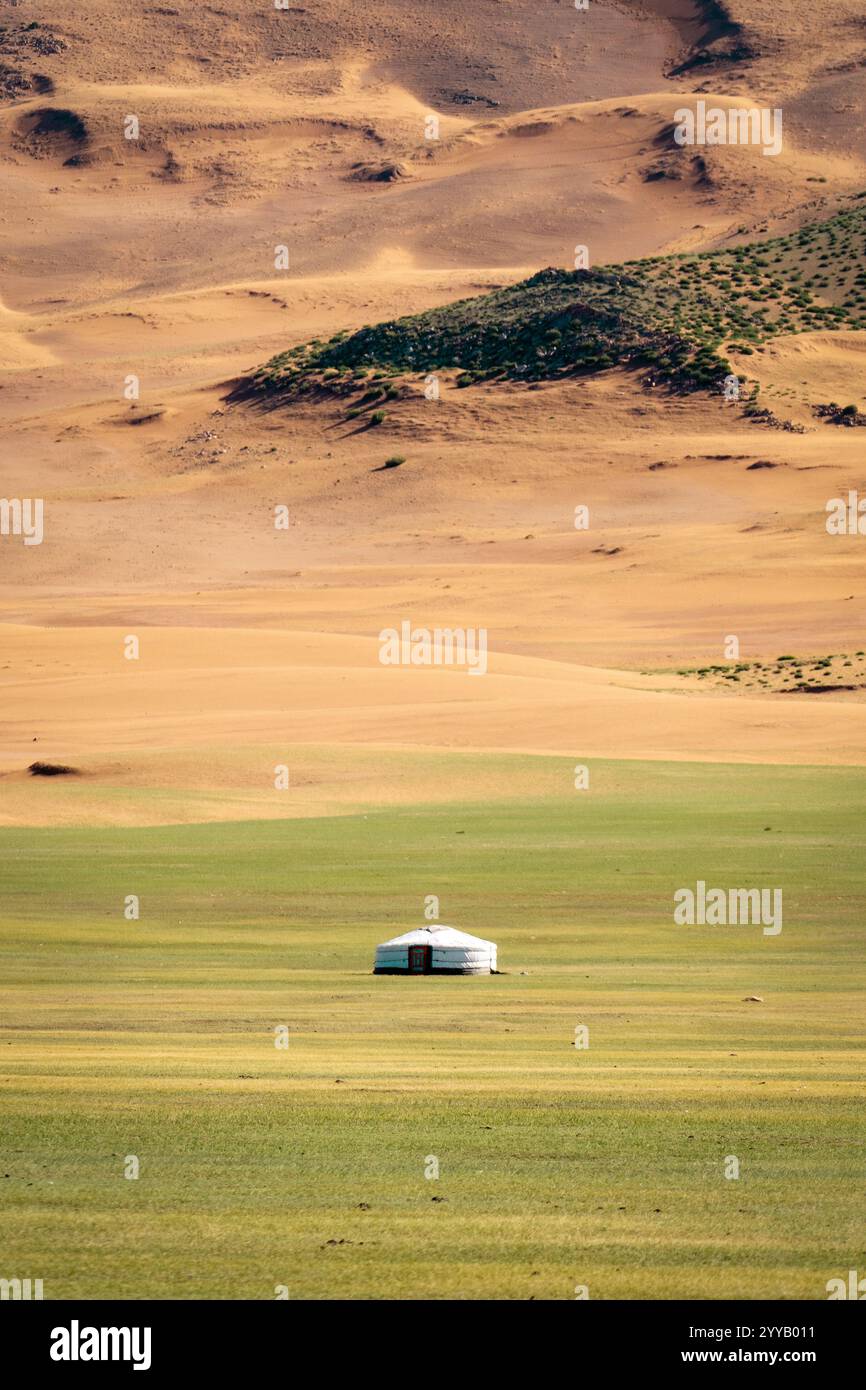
(675, 316)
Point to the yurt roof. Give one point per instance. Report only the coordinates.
(436, 936)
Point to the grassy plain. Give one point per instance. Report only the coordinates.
(559, 1166)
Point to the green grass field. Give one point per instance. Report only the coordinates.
(559, 1166)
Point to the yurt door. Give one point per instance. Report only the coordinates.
(419, 960)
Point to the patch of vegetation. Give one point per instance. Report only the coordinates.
(675, 317)
(848, 415)
(814, 675)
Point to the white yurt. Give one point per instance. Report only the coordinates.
(435, 951)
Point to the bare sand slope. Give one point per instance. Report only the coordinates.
(200, 723)
(176, 494)
(309, 128)
(258, 645)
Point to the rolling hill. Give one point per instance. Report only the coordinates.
(676, 316)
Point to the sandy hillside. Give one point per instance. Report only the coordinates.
(153, 258)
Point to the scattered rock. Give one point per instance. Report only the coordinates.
(466, 98)
(378, 173)
(52, 132)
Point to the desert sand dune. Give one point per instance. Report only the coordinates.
(217, 712)
(154, 256)
(291, 131)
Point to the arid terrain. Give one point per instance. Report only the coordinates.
(238, 800)
(154, 257)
